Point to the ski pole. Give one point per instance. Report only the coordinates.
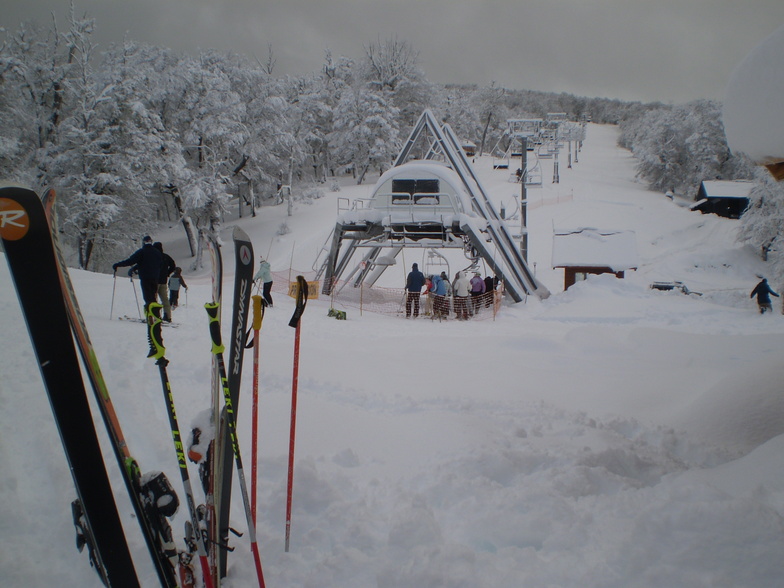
(158, 353)
(213, 311)
(114, 287)
(258, 316)
(302, 299)
(135, 295)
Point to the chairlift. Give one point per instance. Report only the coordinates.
(501, 162)
(506, 215)
(435, 260)
(533, 177)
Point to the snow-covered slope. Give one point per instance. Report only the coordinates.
(611, 435)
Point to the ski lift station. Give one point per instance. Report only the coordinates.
(431, 200)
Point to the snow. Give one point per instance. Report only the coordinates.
(609, 436)
(589, 247)
(754, 103)
(727, 189)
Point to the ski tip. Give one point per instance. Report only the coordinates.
(239, 234)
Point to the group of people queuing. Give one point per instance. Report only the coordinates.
(462, 296)
(159, 275)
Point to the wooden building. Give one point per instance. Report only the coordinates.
(724, 198)
(587, 251)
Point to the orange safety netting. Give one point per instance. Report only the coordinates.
(388, 301)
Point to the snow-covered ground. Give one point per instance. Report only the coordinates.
(611, 435)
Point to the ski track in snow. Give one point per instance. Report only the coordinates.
(608, 436)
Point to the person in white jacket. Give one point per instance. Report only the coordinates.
(265, 275)
(462, 289)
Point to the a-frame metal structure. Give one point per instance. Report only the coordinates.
(479, 229)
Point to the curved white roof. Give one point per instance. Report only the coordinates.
(423, 170)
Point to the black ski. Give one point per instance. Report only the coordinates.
(243, 282)
(145, 494)
(27, 242)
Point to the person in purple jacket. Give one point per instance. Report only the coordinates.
(477, 289)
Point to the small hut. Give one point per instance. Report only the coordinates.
(585, 251)
(723, 197)
(469, 147)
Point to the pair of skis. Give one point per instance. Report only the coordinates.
(223, 450)
(218, 472)
(51, 312)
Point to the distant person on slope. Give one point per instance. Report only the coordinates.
(762, 291)
(167, 267)
(148, 261)
(414, 283)
(265, 275)
(175, 283)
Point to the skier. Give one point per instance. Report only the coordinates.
(762, 291)
(175, 282)
(414, 283)
(477, 289)
(167, 267)
(490, 284)
(438, 289)
(149, 261)
(449, 293)
(265, 275)
(462, 288)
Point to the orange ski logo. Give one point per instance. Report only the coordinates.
(14, 221)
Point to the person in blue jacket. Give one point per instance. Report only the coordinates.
(763, 291)
(414, 283)
(438, 290)
(148, 261)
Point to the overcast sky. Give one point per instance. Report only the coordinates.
(668, 50)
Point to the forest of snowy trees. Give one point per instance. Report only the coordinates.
(135, 134)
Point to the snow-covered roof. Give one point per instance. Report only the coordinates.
(589, 247)
(449, 182)
(727, 188)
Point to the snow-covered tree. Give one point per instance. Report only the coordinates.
(34, 64)
(365, 131)
(207, 116)
(392, 68)
(762, 225)
(679, 147)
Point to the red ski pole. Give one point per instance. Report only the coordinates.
(302, 299)
(258, 316)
